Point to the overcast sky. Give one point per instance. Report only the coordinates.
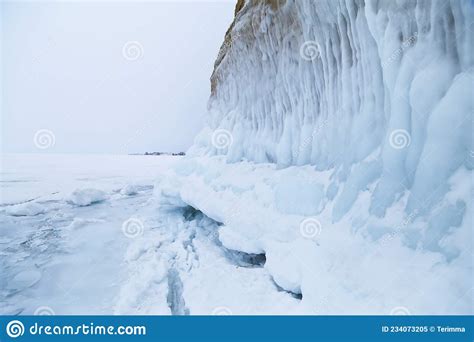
(115, 77)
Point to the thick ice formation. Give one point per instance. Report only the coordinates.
(359, 265)
(25, 209)
(85, 197)
(340, 145)
(328, 83)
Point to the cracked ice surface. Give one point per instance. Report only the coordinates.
(357, 265)
(124, 254)
(346, 186)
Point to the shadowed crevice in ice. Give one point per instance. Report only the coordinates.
(191, 213)
(21, 202)
(175, 294)
(296, 295)
(243, 259)
(235, 257)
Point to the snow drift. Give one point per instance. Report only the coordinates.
(339, 144)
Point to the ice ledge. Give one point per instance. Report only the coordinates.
(266, 210)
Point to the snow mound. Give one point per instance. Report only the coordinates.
(129, 190)
(85, 197)
(25, 209)
(180, 267)
(359, 264)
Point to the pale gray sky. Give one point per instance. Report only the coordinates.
(67, 69)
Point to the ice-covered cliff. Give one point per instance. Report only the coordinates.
(328, 83)
(340, 145)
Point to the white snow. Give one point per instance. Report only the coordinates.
(26, 177)
(359, 264)
(25, 209)
(181, 263)
(390, 80)
(69, 258)
(336, 180)
(24, 279)
(84, 197)
(344, 163)
(129, 190)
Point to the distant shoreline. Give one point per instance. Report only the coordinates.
(158, 154)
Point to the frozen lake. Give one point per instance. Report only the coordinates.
(29, 176)
(83, 234)
(102, 234)
(59, 254)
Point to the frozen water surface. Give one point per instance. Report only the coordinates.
(62, 243)
(116, 249)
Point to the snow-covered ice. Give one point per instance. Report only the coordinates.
(68, 257)
(129, 190)
(127, 254)
(84, 197)
(354, 265)
(25, 209)
(338, 141)
(334, 176)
